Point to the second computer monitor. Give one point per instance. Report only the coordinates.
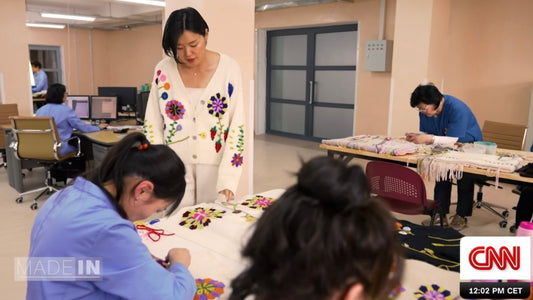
(126, 96)
(103, 108)
(79, 104)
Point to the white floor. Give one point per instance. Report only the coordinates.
(276, 159)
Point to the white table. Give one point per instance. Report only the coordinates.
(215, 247)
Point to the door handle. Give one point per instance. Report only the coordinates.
(311, 91)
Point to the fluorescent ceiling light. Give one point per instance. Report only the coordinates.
(68, 17)
(146, 2)
(42, 25)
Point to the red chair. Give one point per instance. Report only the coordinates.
(402, 189)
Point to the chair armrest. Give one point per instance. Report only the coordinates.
(75, 141)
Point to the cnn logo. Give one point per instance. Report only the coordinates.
(495, 258)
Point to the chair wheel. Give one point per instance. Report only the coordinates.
(503, 224)
(19, 200)
(34, 206)
(505, 213)
(512, 229)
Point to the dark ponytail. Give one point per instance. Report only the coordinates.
(135, 156)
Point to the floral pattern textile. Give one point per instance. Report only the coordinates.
(199, 217)
(432, 292)
(258, 202)
(208, 289)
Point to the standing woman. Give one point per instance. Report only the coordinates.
(196, 108)
(93, 218)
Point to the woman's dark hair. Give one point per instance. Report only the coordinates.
(324, 234)
(55, 93)
(179, 21)
(427, 94)
(156, 163)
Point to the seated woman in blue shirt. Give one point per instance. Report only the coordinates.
(93, 218)
(444, 115)
(65, 118)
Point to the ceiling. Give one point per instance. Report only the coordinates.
(110, 14)
(118, 15)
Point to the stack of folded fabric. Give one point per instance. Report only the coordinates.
(375, 143)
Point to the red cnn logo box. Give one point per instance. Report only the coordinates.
(495, 258)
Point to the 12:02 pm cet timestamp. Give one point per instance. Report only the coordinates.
(494, 290)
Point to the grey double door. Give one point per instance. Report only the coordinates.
(310, 88)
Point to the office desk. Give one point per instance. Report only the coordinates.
(99, 142)
(14, 165)
(347, 154)
(215, 233)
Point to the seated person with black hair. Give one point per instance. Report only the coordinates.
(324, 238)
(66, 122)
(93, 218)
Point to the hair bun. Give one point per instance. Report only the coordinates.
(333, 183)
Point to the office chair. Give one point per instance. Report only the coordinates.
(6, 110)
(402, 189)
(36, 138)
(505, 136)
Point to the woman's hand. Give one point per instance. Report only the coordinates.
(227, 194)
(419, 138)
(180, 255)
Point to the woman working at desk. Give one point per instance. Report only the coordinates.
(93, 218)
(444, 115)
(65, 118)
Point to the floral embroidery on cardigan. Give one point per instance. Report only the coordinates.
(208, 288)
(217, 106)
(258, 202)
(174, 111)
(237, 159)
(199, 217)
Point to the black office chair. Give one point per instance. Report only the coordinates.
(36, 138)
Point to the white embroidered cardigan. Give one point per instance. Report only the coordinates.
(212, 132)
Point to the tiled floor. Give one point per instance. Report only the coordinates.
(276, 159)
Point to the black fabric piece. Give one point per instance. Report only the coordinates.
(436, 245)
(526, 171)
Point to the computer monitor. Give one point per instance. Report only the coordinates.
(79, 104)
(103, 108)
(126, 97)
(142, 100)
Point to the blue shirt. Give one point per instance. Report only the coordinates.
(41, 81)
(455, 120)
(80, 221)
(66, 121)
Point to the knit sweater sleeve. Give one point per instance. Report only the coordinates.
(231, 164)
(153, 121)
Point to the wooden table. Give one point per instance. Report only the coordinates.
(99, 142)
(347, 154)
